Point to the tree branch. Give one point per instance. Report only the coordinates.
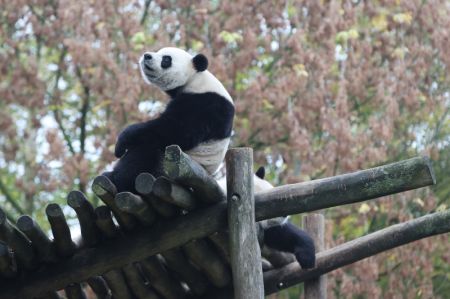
(10, 199)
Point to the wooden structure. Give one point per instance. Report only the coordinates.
(179, 238)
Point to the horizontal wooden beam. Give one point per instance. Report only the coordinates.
(358, 249)
(297, 198)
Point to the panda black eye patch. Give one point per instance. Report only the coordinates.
(166, 62)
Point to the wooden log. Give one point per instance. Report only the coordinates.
(8, 266)
(74, 291)
(40, 241)
(345, 189)
(105, 222)
(222, 245)
(106, 191)
(199, 224)
(138, 286)
(178, 264)
(358, 249)
(173, 193)
(244, 247)
(144, 186)
(134, 205)
(277, 258)
(86, 217)
(15, 239)
(182, 169)
(50, 295)
(117, 284)
(99, 287)
(314, 225)
(160, 279)
(61, 233)
(209, 262)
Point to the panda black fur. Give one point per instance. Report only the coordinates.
(199, 119)
(199, 115)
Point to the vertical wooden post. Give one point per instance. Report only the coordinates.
(314, 224)
(244, 248)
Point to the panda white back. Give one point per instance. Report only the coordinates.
(180, 75)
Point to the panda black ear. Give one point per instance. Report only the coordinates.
(200, 62)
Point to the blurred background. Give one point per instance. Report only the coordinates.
(321, 88)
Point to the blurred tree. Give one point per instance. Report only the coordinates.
(321, 88)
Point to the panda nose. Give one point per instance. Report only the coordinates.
(147, 56)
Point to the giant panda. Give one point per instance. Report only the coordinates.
(199, 119)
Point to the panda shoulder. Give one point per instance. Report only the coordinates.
(205, 82)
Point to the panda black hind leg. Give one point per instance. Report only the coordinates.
(287, 237)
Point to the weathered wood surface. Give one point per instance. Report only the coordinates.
(308, 196)
(21, 245)
(314, 225)
(174, 194)
(74, 291)
(86, 217)
(244, 247)
(144, 186)
(133, 204)
(358, 249)
(116, 282)
(182, 169)
(106, 191)
(40, 241)
(138, 286)
(344, 189)
(62, 238)
(161, 280)
(99, 286)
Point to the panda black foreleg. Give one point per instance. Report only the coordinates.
(289, 238)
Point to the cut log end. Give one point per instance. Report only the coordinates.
(144, 183)
(75, 199)
(54, 210)
(25, 223)
(103, 185)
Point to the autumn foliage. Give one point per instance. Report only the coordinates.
(321, 88)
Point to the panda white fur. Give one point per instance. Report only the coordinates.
(199, 119)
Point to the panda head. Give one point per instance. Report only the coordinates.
(170, 68)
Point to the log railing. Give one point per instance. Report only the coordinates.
(178, 221)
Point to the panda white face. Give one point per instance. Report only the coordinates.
(168, 68)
